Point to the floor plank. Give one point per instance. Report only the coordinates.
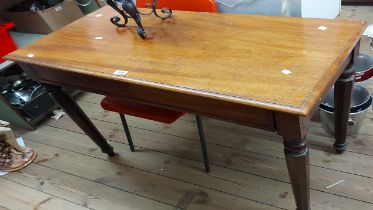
(217, 133)
(187, 170)
(82, 191)
(18, 196)
(139, 182)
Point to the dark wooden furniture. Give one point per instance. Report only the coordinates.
(266, 72)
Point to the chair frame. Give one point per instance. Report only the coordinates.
(200, 133)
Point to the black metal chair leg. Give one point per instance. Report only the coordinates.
(203, 143)
(127, 131)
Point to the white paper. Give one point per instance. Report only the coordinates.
(120, 72)
(58, 8)
(57, 114)
(323, 28)
(286, 71)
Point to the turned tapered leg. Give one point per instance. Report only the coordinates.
(342, 102)
(294, 129)
(79, 117)
(296, 155)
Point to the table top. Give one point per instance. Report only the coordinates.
(275, 63)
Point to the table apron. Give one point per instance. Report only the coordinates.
(205, 106)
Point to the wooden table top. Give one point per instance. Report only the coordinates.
(275, 63)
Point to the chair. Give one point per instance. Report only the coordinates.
(123, 106)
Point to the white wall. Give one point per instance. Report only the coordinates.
(321, 8)
(313, 8)
(297, 8)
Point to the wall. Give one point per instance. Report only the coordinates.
(313, 8)
(321, 8)
(297, 8)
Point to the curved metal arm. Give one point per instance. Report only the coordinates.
(166, 11)
(129, 10)
(115, 19)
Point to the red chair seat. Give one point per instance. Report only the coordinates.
(140, 110)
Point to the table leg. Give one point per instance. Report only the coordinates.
(342, 102)
(297, 161)
(294, 129)
(79, 117)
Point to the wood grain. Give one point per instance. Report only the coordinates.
(240, 137)
(18, 196)
(82, 191)
(199, 105)
(152, 185)
(178, 155)
(235, 58)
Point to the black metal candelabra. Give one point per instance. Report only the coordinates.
(127, 9)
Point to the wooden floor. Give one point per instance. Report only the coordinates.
(248, 169)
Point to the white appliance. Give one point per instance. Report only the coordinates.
(328, 9)
(299, 8)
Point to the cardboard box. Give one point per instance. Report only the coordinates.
(45, 21)
(6, 4)
(101, 3)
